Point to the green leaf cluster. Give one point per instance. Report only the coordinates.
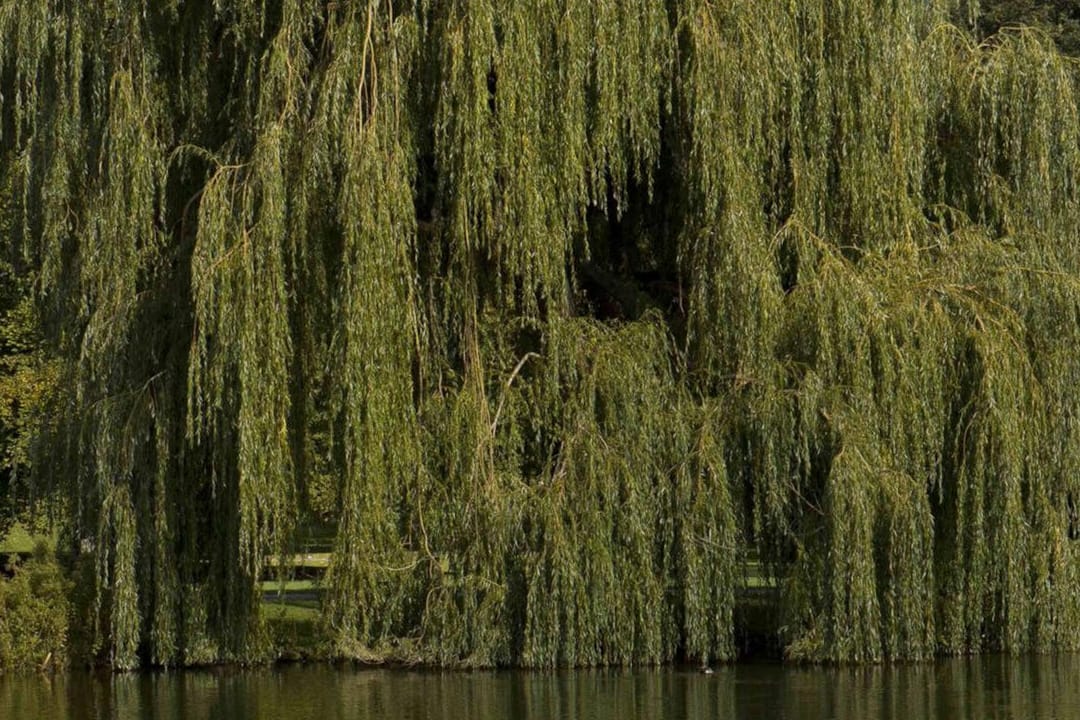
(36, 606)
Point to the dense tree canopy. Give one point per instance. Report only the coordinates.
(556, 311)
(27, 383)
(1060, 19)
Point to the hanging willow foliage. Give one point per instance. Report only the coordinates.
(558, 312)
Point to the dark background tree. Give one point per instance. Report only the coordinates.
(1060, 19)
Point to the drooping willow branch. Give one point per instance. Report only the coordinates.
(557, 313)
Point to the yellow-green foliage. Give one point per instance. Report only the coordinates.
(36, 610)
(558, 310)
(27, 383)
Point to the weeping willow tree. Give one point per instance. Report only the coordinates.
(558, 312)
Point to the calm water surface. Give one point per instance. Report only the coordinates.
(1034, 688)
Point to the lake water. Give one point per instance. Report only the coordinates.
(1030, 688)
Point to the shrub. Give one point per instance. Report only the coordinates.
(34, 614)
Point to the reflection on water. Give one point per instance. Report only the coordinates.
(995, 687)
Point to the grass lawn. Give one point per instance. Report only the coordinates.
(290, 586)
(19, 540)
(294, 628)
(286, 608)
(290, 612)
(755, 576)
